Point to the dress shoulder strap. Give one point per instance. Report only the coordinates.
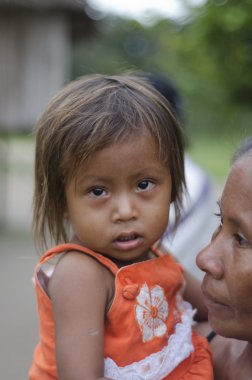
(76, 247)
(158, 252)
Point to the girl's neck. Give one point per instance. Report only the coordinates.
(144, 257)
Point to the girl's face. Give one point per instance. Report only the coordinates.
(227, 260)
(119, 203)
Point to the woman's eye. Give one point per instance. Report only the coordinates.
(218, 229)
(97, 192)
(241, 240)
(144, 185)
(219, 216)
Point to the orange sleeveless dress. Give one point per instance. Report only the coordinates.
(148, 328)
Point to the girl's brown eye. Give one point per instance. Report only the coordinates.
(97, 192)
(143, 185)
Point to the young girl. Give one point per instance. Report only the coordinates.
(109, 162)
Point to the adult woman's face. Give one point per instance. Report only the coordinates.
(227, 260)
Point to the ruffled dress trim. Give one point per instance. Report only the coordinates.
(160, 364)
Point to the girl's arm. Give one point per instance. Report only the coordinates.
(79, 289)
(194, 295)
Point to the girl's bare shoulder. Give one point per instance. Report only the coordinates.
(76, 271)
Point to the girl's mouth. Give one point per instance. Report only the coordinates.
(126, 242)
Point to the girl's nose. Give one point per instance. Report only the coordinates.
(209, 260)
(124, 209)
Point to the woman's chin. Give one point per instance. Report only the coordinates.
(221, 327)
(227, 328)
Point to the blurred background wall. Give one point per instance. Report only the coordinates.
(36, 40)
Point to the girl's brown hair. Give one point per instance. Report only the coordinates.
(87, 115)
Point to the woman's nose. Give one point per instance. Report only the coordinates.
(124, 208)
(209, 260)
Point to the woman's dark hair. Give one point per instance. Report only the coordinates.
(244, 149)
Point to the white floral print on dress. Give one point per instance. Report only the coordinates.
(151, 312)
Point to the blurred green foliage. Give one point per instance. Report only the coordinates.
(224, 29)
(207, 55)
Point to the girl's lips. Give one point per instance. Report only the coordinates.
(126, 242)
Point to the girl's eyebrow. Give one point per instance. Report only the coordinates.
(148, 172)
(91, 177)
(153, 171)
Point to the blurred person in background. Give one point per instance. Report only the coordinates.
(197, 220)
